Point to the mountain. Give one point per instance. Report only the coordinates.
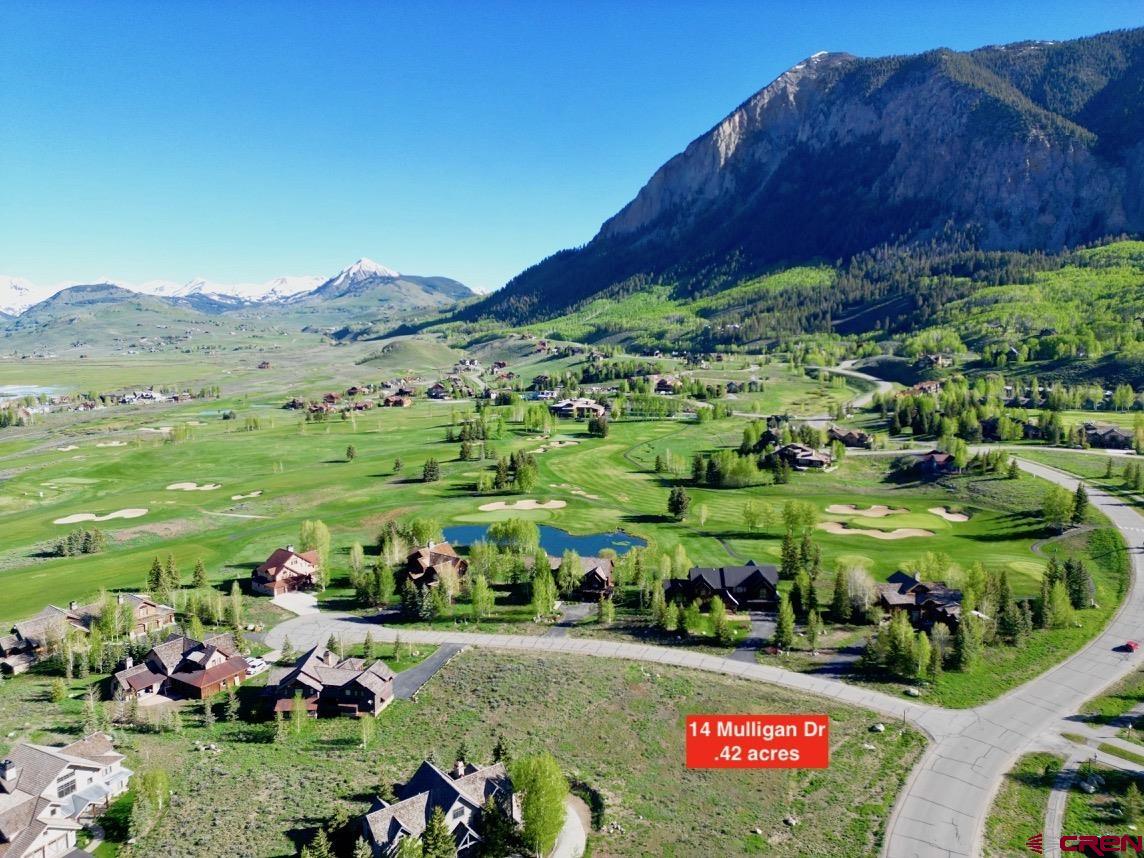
(1030, 146)
(368, 280)
(363, 286)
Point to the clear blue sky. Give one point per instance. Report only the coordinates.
(240, 141)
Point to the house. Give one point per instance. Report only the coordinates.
(926, 603)
(437, 391)
(579, 408)
(285, 571)
(930, 361)
(184, 667)
(424, 566)
(33, 639)
(460, 793)
(753, 585)
(331, 686)
(931, 388)
(666, 385)
(935, 462)
(1109, 437)
(264, 364)
(803, 458)
(596, 579)
(850, 437)
(397, 401)
(48, 793)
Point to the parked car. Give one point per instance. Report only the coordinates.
(255, 666)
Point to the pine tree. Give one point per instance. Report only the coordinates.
(155, 578)
(678, 502)
(501, 753)
(790, 557)
(840, 601)
(1080, 504)
(784, 627)
(800, 593)
(1014, 472)
(1130, 807)
(436, 841)
(199, 576)
(813, 629)
(935, 664)
(1060, 606)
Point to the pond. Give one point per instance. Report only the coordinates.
(18, 391)
(555, 541)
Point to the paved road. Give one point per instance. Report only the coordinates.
(942, 809)
(573, 839)
(409, 682)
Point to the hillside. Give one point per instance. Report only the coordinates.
(1032, 146)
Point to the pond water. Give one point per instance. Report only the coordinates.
(555, 541)
(16, 391)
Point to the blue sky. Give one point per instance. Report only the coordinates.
(241, 141)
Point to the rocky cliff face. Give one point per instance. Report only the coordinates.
(1028, 146)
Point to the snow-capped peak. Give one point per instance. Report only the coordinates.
(366, 268)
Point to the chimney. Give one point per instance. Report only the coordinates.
(72, 605)
(128, 662)
(458, 769)
(9, 774)
(119, 598)
(290, 548)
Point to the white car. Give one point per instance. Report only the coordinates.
(255, 666)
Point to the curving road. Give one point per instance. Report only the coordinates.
(942, 809)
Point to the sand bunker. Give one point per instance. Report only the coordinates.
(944, 512)
(876, 511)
(193, 487)
(841, 529)
(523, 504)
(555, 445)
(244, 497)
(68, 448)
(112, 444)
(91, 516)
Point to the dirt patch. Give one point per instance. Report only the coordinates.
(76, 518)
(840, 529)
(68, 448)
(528, 503)
(947, 514)
(156, 429)
(193, 487)
(876, 511)
(112, 444)
(248, 495)
(163, 530)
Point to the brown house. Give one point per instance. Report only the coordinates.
(577, 408)
(397, 401)
(460, 794)
(184, 667)
(425, 565)
(285, 571)
(849, 437)
(34, 638)
(753, 585)
(926, 603)
(804, 458)
(331, 686)
(596, 581)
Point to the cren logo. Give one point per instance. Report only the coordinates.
(1036, 843)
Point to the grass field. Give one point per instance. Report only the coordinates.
(1098, 813)
(616, 726)
(1018, 811)
(301, 472)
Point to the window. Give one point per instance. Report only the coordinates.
(66, 788)
(458, 813)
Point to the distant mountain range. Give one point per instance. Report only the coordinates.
(1029, 146)
(362, 286)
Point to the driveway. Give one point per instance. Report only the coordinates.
(573, 837)
(409, 682)
(762, 632)
(296, 603)
(571, 613)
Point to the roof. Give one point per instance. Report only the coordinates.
(429, 789)
(300, 563)
(727, 577)
(319, 668)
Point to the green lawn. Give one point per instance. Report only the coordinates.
(1098, 813)
(1018, 811)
